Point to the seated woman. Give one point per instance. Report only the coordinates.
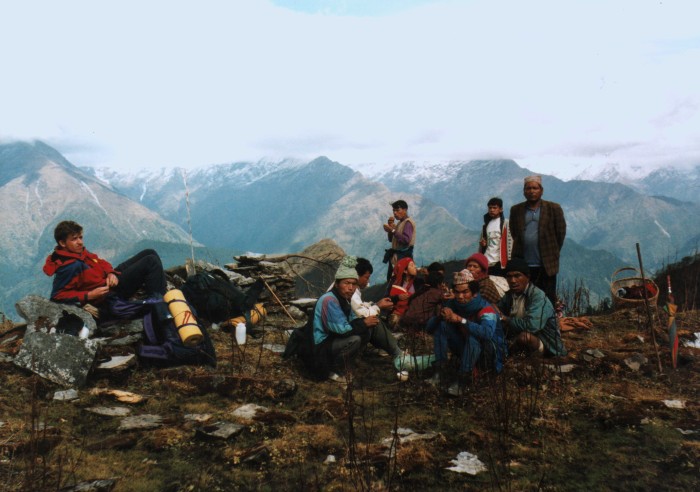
(401, 289)
(425, 303)
(478, 266)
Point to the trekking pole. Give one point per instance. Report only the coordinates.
(278, 301)
(646, 305)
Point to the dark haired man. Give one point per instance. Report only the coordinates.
(538, 228)
(82, 277)
(469, 327)
(496, 242)
(528, 315)
(401, 232)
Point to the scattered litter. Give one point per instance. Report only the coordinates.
(329, 459)
(122, 396)
(141, 422)
(693, 343)
(563, 368)
(686, 432)
(248, 411)
(110, 411)
(674, 403)
(66, 395)
(646, 421)
(467, 463)
(408, 435)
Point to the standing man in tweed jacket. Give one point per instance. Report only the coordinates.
(538, 228)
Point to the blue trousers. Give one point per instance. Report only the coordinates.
(447, 338)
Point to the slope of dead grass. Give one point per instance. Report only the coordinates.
(601, 426)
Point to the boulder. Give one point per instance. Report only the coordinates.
(64, 359)
(42, 314)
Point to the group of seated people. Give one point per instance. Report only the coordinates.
(478, 319)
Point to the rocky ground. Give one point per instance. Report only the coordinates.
(603, 418)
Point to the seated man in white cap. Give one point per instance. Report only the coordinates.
(528, 316)
(338, 333)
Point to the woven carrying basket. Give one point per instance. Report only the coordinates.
(624, 283)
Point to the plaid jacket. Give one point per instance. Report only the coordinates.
(552, 231)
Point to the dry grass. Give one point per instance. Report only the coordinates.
(600, 427)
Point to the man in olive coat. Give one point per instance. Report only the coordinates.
(538, 228)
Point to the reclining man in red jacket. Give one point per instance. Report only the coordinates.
(82, 277)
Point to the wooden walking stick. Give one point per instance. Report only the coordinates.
(646, 305)
(278, 301)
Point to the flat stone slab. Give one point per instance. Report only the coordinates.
(120, 395)
(219, 430)
(118, 362)
(306, 302)
(110, 411)
(66, 395)
(140, 422)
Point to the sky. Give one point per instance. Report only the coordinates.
(559, 86)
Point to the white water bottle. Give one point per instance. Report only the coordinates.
(240, 333)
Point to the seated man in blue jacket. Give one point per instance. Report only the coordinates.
(338, 332)
(469, 327)
(528, 315)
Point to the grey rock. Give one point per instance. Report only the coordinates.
(42, 314)
(636, 361)
(67, 395)
(128, 326)
(296, 313)
(219, 430)
(63, 359)
(102, 485)
(285, 388)
(137, 422)
(125, 341)
(110, 411)
(274, 347)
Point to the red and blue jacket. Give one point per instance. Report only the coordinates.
(76, 274)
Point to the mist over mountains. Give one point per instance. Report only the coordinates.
(284, 206)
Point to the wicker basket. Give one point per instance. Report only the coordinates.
(636, 281)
